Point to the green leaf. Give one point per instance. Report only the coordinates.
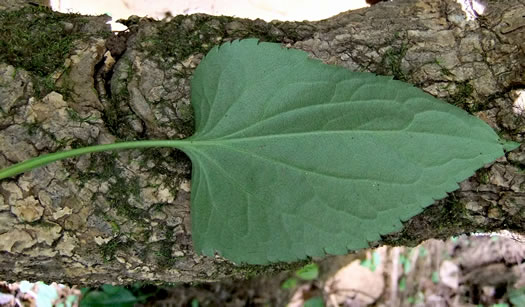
(308, 272)
(517, 297)
(316, 301)
(290, 283)
(435, 277)
(294, 158)
(195, 303)
(402, 284)
(407, 266)
(376, 260)
(367, 263)
(372, 264)
(423, 252)
(109, 296)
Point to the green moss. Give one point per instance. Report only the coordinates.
(453, 212)
(175, 157)
(178, 41)
(109, 249)
(187, 35)
(34, 128)
(183, 123)
(445, 71)
(440, 221)
(452, 220)
(391, 62)
(118, 195)
(250, 271)
(114, 226)
(36, 39)
(164, 256)
(43, 85)
(156, 207)
(461, 96)
(103, 166)
(73, 115)
(483, 176)
(116, 120)
(41, 223)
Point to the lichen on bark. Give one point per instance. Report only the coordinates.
(125, 216)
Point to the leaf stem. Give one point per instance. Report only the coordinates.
(52, 157)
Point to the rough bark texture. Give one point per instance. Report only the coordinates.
(122, 217)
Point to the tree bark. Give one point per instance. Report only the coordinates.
(123, 217)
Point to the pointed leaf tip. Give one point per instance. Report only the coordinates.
(509, 145)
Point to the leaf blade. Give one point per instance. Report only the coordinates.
(302, 159)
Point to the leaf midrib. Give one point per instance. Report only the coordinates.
(192, 142)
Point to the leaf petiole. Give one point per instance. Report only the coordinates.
(52, 157)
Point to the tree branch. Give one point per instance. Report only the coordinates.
(122, 217)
